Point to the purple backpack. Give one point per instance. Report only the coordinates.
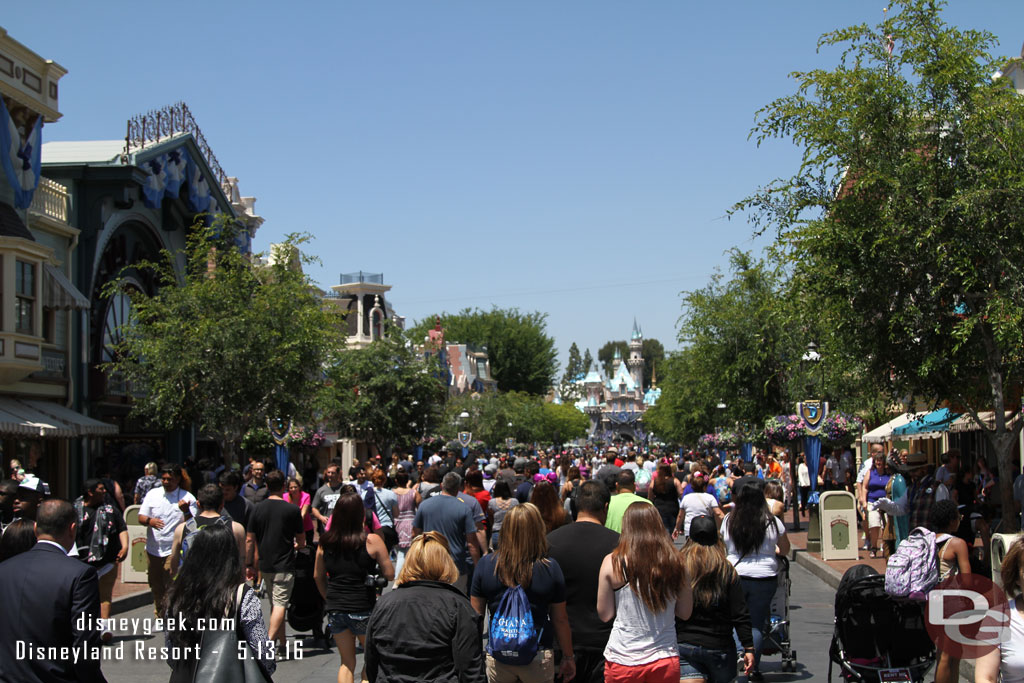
(913, 569)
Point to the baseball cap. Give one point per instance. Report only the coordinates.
(33, 483)
(489, 471)
(703, 530)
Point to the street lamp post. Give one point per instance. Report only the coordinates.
(810, 361)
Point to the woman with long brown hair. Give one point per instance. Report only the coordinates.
(707, 651)
(521, 560)
(346, 557)
(665, 493)
(545, 498)
(643, 586)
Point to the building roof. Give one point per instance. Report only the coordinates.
(11, 224)
(621, 377)
(592, 376)
(91, 152)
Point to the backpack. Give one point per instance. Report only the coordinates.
(513, 637)
(192, 528)
(643, 480)
(913, 569)
(724, 493)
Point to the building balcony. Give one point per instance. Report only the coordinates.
(20, 356)
(50, 201)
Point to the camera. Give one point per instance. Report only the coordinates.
(376, 582)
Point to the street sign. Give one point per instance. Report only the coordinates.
(838, 515)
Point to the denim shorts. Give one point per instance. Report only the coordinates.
(714, 666)
(339, 622)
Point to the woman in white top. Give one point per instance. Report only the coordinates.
(695, 504)
(643, 586)
(753, 536)
(1007, 660)
(803, 482)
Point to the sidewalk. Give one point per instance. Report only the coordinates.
(129, 596)
(831, 572)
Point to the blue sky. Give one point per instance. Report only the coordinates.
(572, 157)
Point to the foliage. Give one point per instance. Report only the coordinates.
(783, 429)
(521, 353)
(384, 393)
(840, 429)
(532, 419)
(227, 344)
(569, 390)
(588, 362)
(904, 221)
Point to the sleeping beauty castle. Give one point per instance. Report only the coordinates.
(616, 404)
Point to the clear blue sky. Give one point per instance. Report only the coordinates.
(573, 157)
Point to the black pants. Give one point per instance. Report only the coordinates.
(805, 492)
(589, 665)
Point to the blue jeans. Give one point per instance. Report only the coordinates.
(758, 594)
(714, 666)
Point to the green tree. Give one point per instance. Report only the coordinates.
(569, 391)
(562, 423)
(588, 362)
(606, 355)
(522, 355)
(904, 222)
(228, 347)
(385, 393)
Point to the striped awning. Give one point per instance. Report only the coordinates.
(36, 418)
(966, 423)
(59, 293)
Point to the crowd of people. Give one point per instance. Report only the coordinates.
(569, 558)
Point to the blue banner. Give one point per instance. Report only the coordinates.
(418, 453)
(812, 448)
(282, 459)
(747, 450)
(21, 159)
(465, 454)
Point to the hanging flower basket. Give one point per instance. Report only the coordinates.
(783, 429)
(708, 442)
(840, 429)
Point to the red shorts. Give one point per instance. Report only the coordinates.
(659, 671)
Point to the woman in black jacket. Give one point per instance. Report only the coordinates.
(707, 652)
(425, 629)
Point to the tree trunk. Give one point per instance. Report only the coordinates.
(1002, 442)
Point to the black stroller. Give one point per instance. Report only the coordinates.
(877, 638)
(306, 607)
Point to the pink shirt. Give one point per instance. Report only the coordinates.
(307, 519)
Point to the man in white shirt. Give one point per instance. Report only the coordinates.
(162, 510)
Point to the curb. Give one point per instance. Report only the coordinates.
(126, 603)
(832, 577)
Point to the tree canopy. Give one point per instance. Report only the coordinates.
(231, 346)
(569, 390)
(652, 351)
(496, 416)
(904, 221)
(384, 393)
(521, 353)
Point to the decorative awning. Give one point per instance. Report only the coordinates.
(884, 432)
(931, 426)
(47, 420)
(59, 293)
(966, 423)
(84, 425)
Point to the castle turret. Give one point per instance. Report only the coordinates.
(636, 358)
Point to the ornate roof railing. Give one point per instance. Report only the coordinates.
(158, 124)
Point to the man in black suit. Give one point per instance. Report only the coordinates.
(50, 601)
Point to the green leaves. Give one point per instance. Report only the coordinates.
(521, 353)
(230, 344)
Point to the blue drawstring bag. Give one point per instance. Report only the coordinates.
(512, 637)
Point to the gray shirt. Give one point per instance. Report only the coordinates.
(453, 519)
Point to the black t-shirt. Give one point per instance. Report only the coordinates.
(579, 550)
(239, 509)
(547, 586)
(84, 536)
(275, 523)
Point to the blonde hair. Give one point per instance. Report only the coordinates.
(151, 468)
(428, 559)
(524, 541)
(709, 571)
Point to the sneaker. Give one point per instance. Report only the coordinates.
(106, 636)
(755, 677)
